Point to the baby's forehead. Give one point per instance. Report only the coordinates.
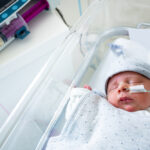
(125, 75)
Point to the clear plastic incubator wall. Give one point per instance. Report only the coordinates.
(82, 58)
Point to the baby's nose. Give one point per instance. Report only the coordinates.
(123, 87)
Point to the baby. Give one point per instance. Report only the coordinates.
(118, 93)
(94, 123)
(125, 72)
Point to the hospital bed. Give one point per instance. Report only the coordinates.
(40, 114)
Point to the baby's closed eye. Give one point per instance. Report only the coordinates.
(132, 82)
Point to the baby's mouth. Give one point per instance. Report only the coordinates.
(125, 99)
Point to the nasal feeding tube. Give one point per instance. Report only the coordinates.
(131, 89)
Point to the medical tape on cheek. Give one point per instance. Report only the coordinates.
(137, 89)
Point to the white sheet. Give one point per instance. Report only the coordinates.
(97, 125)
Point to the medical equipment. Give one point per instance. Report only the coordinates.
(9, 8)
(15, 16)
(77, 61)
(10, 22)
(137, 89)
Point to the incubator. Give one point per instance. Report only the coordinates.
(82, 58)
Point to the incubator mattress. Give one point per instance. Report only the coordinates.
(94, 124)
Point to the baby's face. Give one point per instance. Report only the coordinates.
(119, 96)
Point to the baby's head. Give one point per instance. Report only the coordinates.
(119, 95)
(124, 73)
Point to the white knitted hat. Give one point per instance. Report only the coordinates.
(128, 56)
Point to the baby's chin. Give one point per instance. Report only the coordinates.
(129, 108)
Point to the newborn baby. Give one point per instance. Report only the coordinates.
(120, 122)
(118, 93)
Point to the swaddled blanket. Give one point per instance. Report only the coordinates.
(94, 124)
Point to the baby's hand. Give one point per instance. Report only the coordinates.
(87, 87)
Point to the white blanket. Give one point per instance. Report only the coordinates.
(94, 124)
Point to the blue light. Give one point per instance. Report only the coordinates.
(15, 7)
(23, 1)
(5, 15)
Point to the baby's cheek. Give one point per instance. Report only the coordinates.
(139, 97)
(108, 97)
(111, 98)
(145, 99)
